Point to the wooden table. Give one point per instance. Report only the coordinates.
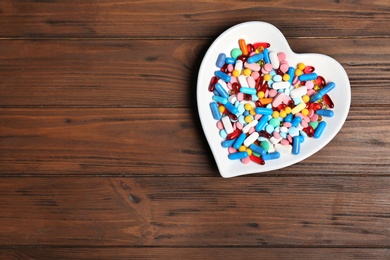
(102, 154)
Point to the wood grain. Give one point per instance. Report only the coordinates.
(155, 73)
(178, 19)
(159, 142)
(194, 253)
(195, 211)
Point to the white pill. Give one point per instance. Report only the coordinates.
(250, 139)
(281, 85)
(227, 124)
(249, 126)
(273, 57)
(298, 92)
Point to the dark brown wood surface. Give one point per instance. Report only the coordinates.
(102, 155)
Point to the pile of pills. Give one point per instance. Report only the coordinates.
(264, 106)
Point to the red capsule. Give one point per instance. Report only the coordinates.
(262, 44)
(321, 81)
(256, 159)
(259, 82)
(309, 131)
(308, 69)
(265, 134)
(328, 101)
(258, 104)
(248, 97)
(213, 81)
(234, 134)
(230, 115)
(243, 58)
(315, 106)
(224, 68)
(235, 87)
(280, 107)
(250, 48)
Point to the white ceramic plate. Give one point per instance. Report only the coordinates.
(325, 66)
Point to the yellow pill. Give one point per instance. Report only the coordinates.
(249, 151)
(247, 72)
(221, 109)
(248, 106)
(248, 119)
(283, 114)
(286, 77)
(235, 73)
(316, 88)
(242, 148)
(252, 112)
(275, 114)
(260, 49)
(301, 66)
(267, 77)
(298, 72)
(305, 111)
(287, 110)
(260, 94)
(306, 98)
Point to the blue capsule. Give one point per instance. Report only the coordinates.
(215, 110)
(291, 73)
(296, 147)
(295, 122)
(230, 60)
(255, 58)
(271, 156)
(220, 60)
(228, 143)
(322, 92)
(229, 106)
(266, 56)
(221, 90)
(246, 90)
(258, 149)
(222, 76)
(240, 139)
(238, 155)
(263, 111)
(262, 122)
(325, 112)
(288, 118)
(306, 77)
(320, 128)
(220, 99)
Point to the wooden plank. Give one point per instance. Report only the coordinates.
(162, 141)
(155, 73)
(196, 212)
(166, 19)
(195, 253)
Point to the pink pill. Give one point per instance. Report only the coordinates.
(252, 66)
(299, 114)
(257, 117)
(246, 160)
(255, 75)
(251, 82)
(295, 81)
(304, 124)
(311, 113)
(310, 92)
(314, 118)
(220, 125)
(231, 149)
(240, 96)
(229, 85)
(287, 124)
(251, 130)
(266, 93)
(306, 119)
(309, 84)
(276, 135)
(233, 79)
(272, 93)
(239, 125)
(284, 67)
(267, 67)
(286, 100)
(284, 142)
(281, 56)
(278, 99)
(289, 138)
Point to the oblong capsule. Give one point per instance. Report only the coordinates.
(271, 156)
(258, 149)
(328, 101)
(266, 56)
(325, 112)
(223, 75)
(230, 60)
(296, 147)
(227, 143)
(221, 90)
(220, 60)
(213, 81)
(220, 99)
(229, 106)
(238, 155)
(243, 47)
(256, 159)
(255, 58)
(247, 90)
(307, 77)
(320, 129)
(295, 122)
(215, 110)
(262, 122)
(251, 138)
(240, 139)
(261, 44)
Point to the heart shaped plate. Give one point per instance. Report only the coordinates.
(327, 67)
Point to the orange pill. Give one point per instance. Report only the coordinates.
(243, 47)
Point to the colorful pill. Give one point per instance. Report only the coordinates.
(306, 77)
(251, 139)
(325, 112)
(281, 85)
(220, 99)
(221, 90)
(247, 90)
(223, 76)
(239, 140)
(320, 128)
(296, 147)
(258, 149)
(273, 57)
(221, 60)
(215, 110)
(227, 124)
(263, 111)
(256, 159)
(298, 92)
(227, 143)
(323, 91)
(255, 58)
(229, 106)
(271, 156)
(262, 122)
(243, 47)
(238, 155)
(266, 56)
